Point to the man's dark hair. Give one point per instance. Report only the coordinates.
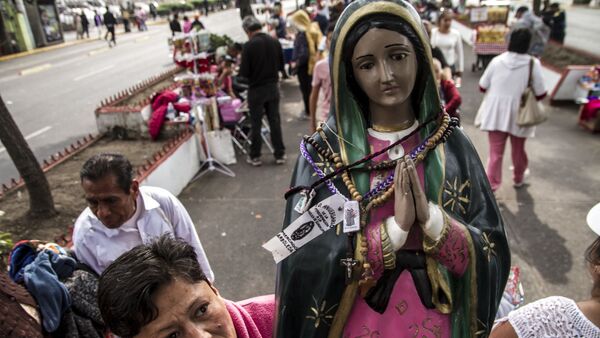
(522, 9)
(237, 46)
(126, 287)
(102, 165)
(519, 41)
(555, 5)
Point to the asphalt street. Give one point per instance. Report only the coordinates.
(52, 95)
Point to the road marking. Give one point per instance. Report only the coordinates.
(35, 69)
(98, 51)
(32, 135)
(142, 39)
(97, 71)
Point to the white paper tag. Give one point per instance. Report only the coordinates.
(318, 219)
(351, 217)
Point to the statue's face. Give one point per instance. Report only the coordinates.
(385, 66)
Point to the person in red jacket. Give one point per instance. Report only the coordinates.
(448, 93)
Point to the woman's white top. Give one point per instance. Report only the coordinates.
(505, 80)
(451, 46)
(551, 317)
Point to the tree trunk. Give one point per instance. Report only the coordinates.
(245, 9)
(40, 197)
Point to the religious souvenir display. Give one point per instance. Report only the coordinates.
(205, 85)
(391, 228)
(186, 82)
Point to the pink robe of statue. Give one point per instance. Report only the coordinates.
(405, 315)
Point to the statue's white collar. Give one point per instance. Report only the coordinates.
(398, 151)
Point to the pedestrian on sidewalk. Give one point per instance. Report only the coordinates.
(262, 60)
(449, 94)
(304, 57)
(197, 24)
(278, 21)
(175, 25)
(449, 41)
(187, 24)
(85, 25)
(539, 31)
(78, 27)
(499, 110)
(321, 88)
(126, 16)
(558, 23)
(110, 22)
(140, 18)
(98, 24)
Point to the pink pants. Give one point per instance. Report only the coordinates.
(497, 141)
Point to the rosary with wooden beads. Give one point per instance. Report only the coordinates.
(375, 197)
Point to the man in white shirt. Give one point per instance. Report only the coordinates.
(121, 215)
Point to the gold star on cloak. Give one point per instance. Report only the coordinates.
(456, 195)
(324, 165)
(488, 246)
(321, 313)
(481, 329)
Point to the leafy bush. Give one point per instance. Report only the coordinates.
(217, 41)
(165, 9)
(197, 4)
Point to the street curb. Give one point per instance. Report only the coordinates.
(65, 44)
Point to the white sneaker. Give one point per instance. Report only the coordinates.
(526, 174)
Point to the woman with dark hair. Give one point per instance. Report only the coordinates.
(499, 110)
(449, 41)
(422, 249)
(558, 316)
(159, 290)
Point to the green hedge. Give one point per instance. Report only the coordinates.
(168, 8)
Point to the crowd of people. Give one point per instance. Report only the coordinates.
(108, 21)
(379, 86)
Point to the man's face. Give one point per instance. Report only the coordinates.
(109, 202)
(189, 310)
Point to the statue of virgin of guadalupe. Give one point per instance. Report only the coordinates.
(429, 255)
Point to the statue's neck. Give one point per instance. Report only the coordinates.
(390, 116)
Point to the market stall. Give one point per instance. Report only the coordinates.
(490, 33)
